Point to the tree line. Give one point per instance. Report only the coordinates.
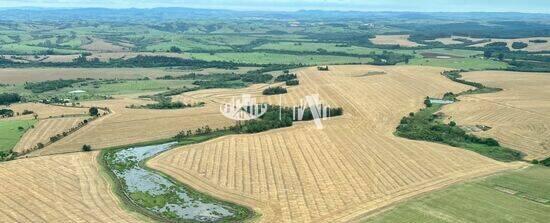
(9, 98)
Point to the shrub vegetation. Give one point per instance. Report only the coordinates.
(292, 82)
(274, 90)
(424, 125)
(40, 87)
(9, 98)
(519, 45)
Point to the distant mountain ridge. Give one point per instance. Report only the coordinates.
(171, 14)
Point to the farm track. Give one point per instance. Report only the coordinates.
(519, 115)
(352, 167)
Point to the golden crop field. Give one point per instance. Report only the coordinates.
(446, 41)
(62, 188)
(519, 115)
(128, 126)
(451, 40)
(101, 45)
(47, 111)
(45, 129)
(352, 167)
(401, 40)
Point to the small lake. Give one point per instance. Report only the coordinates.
(157, 193)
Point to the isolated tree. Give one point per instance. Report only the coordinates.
(428, 102)
(452, 124)
(86, 148)
(94, 111)
(175, 49)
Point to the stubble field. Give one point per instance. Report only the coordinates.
(401, 40)
(352, 167)
(45, 129)
(47, 111)
(126, 126)
(519, 115)
(63, 188)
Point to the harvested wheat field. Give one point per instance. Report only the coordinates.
(48, 111)
(129, 126)
(45, 129)
(352, 167)
(401, 40)
(101, 45)
(519, 115)
(454, 40)
(62, 188)
(531, 47)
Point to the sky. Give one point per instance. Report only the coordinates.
(538, 6)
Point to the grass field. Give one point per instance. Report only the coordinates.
(451, 52)
(20, 76)
(313, 47)
(17, 48)
(274, 58)
(514, 196)
(461, 63)
(131, 86)
(184, 44)
(10, 132)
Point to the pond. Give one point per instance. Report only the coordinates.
(159, 194)
(441, 101)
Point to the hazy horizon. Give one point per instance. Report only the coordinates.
(535, 6)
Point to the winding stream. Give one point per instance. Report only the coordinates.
(160, 195)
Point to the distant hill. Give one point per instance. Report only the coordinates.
(170, 14)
